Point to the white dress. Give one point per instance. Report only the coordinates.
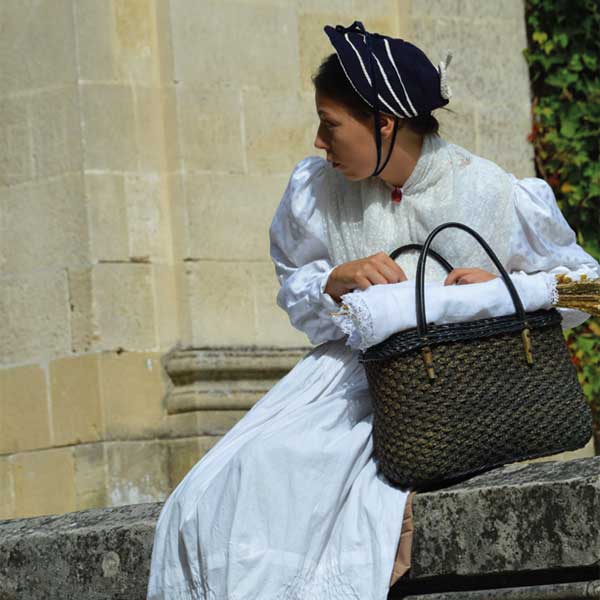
(288, 505)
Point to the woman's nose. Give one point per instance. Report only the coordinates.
(319, 143)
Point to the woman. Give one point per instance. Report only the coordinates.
(289, 505)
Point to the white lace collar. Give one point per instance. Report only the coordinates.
(448, 183)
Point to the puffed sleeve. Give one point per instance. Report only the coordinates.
(542, 240)
(299, 252)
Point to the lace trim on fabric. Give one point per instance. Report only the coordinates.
(355, 320)
(361, 220)
(552, 284)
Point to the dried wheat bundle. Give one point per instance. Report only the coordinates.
(583, 294)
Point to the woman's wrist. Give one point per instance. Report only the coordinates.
(331, 289)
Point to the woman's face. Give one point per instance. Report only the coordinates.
(349, 143)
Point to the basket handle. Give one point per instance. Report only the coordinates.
(433, 253)
(420, 292)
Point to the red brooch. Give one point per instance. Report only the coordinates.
(397, 195)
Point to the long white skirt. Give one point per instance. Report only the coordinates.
(288, 505)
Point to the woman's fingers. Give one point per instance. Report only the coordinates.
(468, 275)
(454, 276)
(362, 283)
(397, 270)
(391, 274)
(392, 271)
(374, 275)
(376, 269)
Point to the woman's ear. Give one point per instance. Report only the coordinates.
(387, 125)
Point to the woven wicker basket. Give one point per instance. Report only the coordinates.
(457, 399)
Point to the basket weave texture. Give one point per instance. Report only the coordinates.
(464, 422)
(488, 404)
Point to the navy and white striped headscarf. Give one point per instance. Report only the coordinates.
(390, 75)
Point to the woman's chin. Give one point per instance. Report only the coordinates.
(353, 177)
(348, 173)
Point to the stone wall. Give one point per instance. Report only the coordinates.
(518, 532)
(146, 145)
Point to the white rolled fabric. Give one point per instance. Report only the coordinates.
(372, 315)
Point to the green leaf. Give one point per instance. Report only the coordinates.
(590, 61)
(562, 39)
(568, 128)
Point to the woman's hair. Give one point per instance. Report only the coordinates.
(331, 81)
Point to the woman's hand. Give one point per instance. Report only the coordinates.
(468, 275)
(362, 273)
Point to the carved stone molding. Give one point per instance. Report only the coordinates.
(207, 379)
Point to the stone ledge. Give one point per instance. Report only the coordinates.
(233, 378)
(95, 554)
(518, 518)
(499, 526)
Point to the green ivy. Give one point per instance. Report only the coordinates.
(564, 64)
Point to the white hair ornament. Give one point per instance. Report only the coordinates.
(445, 90)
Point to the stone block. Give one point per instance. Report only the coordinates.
(7, 488)
(234, 213)
(134, 39)
(223, 306)
(124, 296)
(234, 304)
(210, 128)
(478, 72)
(503, 130)
(44, 482)
(459, 126)
(168, 305)
(146, 219)
(16, 151)
(509, 10)
(280, 129)
(531, 527)
(33, 55)
(94, 28)
(107, 205)
(164, 41)
(35, 311)
(85, 334)
(436, 9)
(132, 392)
(137, 472)
(149, 105)
(90, 475)
(470, 10)
(171, 153)
(53, 207)
(515, 520)
(184, 453)
(24, 410)
(183, 305)
(202, 31)
(109, 127)
(75, 399)
(96, 554)
(56, 131)
(179, 215)
(200, 423)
